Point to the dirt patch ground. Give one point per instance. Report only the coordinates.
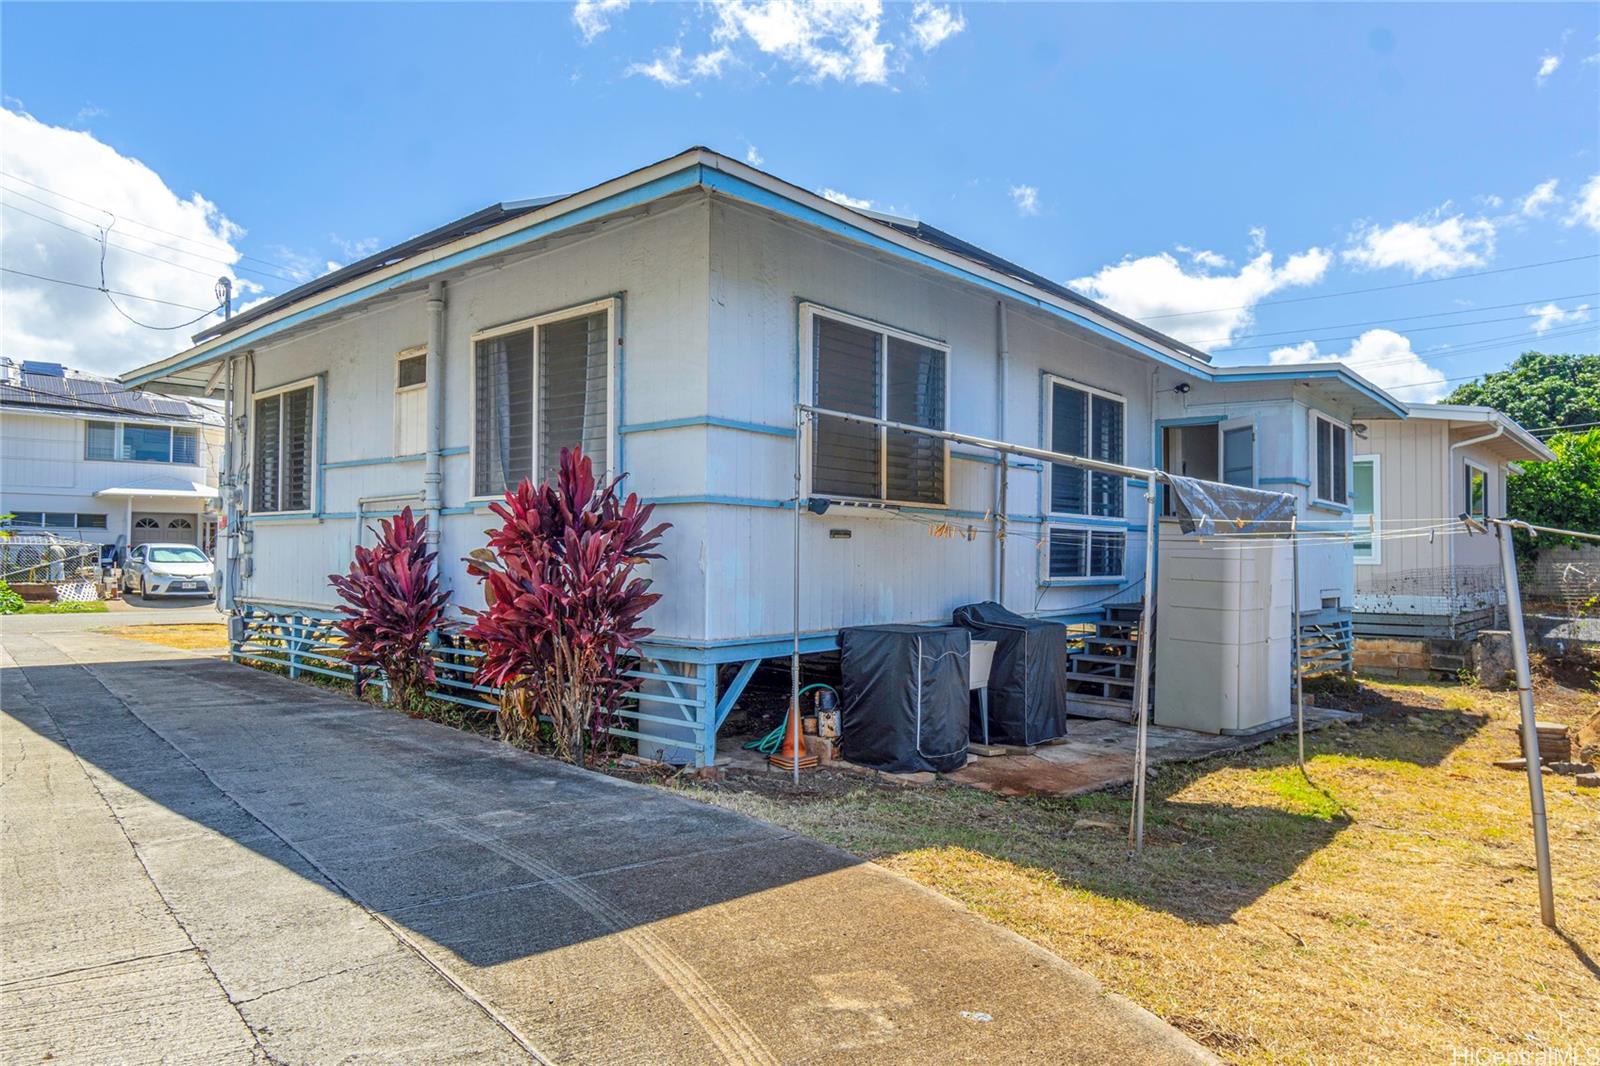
(207, 636)
(1383, 910)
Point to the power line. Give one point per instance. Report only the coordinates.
(1357, 336)
(1402, 318)
(134, 236)
(1375, 288)
(96, 288)
(219, 245)
(1565, 428)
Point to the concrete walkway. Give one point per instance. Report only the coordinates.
(210, 864)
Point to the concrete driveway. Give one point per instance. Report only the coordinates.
(206, 863)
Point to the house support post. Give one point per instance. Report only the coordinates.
(1144, 654)
(433, 475)
(794, 655)
(1294, 643)
(1530, 734)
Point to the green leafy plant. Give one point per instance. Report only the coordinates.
(10, 602)
(1563, 493)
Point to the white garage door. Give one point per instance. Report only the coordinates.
(163, 529)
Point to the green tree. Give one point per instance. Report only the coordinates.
(1540, 390)
(1565, 492)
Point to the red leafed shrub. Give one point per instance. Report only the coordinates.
(563, 601)
(392, 601)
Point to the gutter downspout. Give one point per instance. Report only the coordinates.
(229, 548)
(1002, 472)
(433, 476)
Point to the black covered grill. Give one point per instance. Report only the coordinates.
(905, 697)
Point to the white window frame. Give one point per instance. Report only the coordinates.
(410, 353)
(1376, 460)
(1466, 487)
(1068, 520)
(809, 312)
(120, 424)
(607, 304)
(314, 496)
(1316, 462)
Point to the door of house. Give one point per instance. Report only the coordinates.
(152, 528)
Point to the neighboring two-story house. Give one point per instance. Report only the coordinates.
(87, 458)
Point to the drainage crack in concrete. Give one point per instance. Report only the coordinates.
(45, 979)
(395, 930)
(734, 1040)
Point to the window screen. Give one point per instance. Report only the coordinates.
(881, 375)
(916, 396)
(91, 521)
(185, 446)
(100, 440)
(572, 390)
(1088, 424)
(147, 444)
(847, 368)
(503, 422)
(1332, 442)
(282, 448)
(413, 370)
(1086, 553)
(1477, 495)
(1238, 456)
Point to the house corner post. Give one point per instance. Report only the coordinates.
(433, 474)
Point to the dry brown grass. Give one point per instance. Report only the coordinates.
(1384, 911)
(208, 636)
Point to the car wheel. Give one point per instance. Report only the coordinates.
(144, 593)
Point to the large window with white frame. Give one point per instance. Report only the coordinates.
(140, 443)
(864, 368)
(1330, 460)
(1082, 420)
(541, 385)
(283, 448)
(1366, 508)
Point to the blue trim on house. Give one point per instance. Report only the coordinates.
(718, 501)
(1332, 508)
(344, 464)
(1301, 372)
(1196, 420)
(665, 185)
(712, 421)
(1302, 482)
(992, 460)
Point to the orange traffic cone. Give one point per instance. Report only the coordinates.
(794, 744)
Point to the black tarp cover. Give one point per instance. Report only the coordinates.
(905, 697)
(1028, 682)
(1210, 508)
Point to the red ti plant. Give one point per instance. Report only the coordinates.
(563, 602)
(392, 602)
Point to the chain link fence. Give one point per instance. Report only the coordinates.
(71, 568)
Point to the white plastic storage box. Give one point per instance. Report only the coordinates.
(1223, 619)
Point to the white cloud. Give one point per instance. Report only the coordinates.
(933, 24)
(843, 200)
(1383, 357)
(1258, 239)
(752, 156)
(1543, 195)
(1586, 208)
(1207, 259)
(671, 69)
(593, 17)
(849, 41)
(1026, 199)
(1551, 315)
(81, 327)
(1548, 65)
(1433, 244)
(1200, 307)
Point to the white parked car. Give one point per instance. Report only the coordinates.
(168, 570)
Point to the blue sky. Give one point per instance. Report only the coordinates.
(1153, 154)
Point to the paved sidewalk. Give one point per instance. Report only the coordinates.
(211, 864)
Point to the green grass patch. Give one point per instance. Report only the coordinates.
(66, 607)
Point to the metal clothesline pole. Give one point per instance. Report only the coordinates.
(1144, 650)
(1294, 645)
(794, 655)
(1530, 734)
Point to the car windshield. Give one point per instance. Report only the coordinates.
(178, 554)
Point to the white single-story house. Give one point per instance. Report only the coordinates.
(1427, 576)
(671, 319)
(87, 458)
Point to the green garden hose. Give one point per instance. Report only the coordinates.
(768, 745)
